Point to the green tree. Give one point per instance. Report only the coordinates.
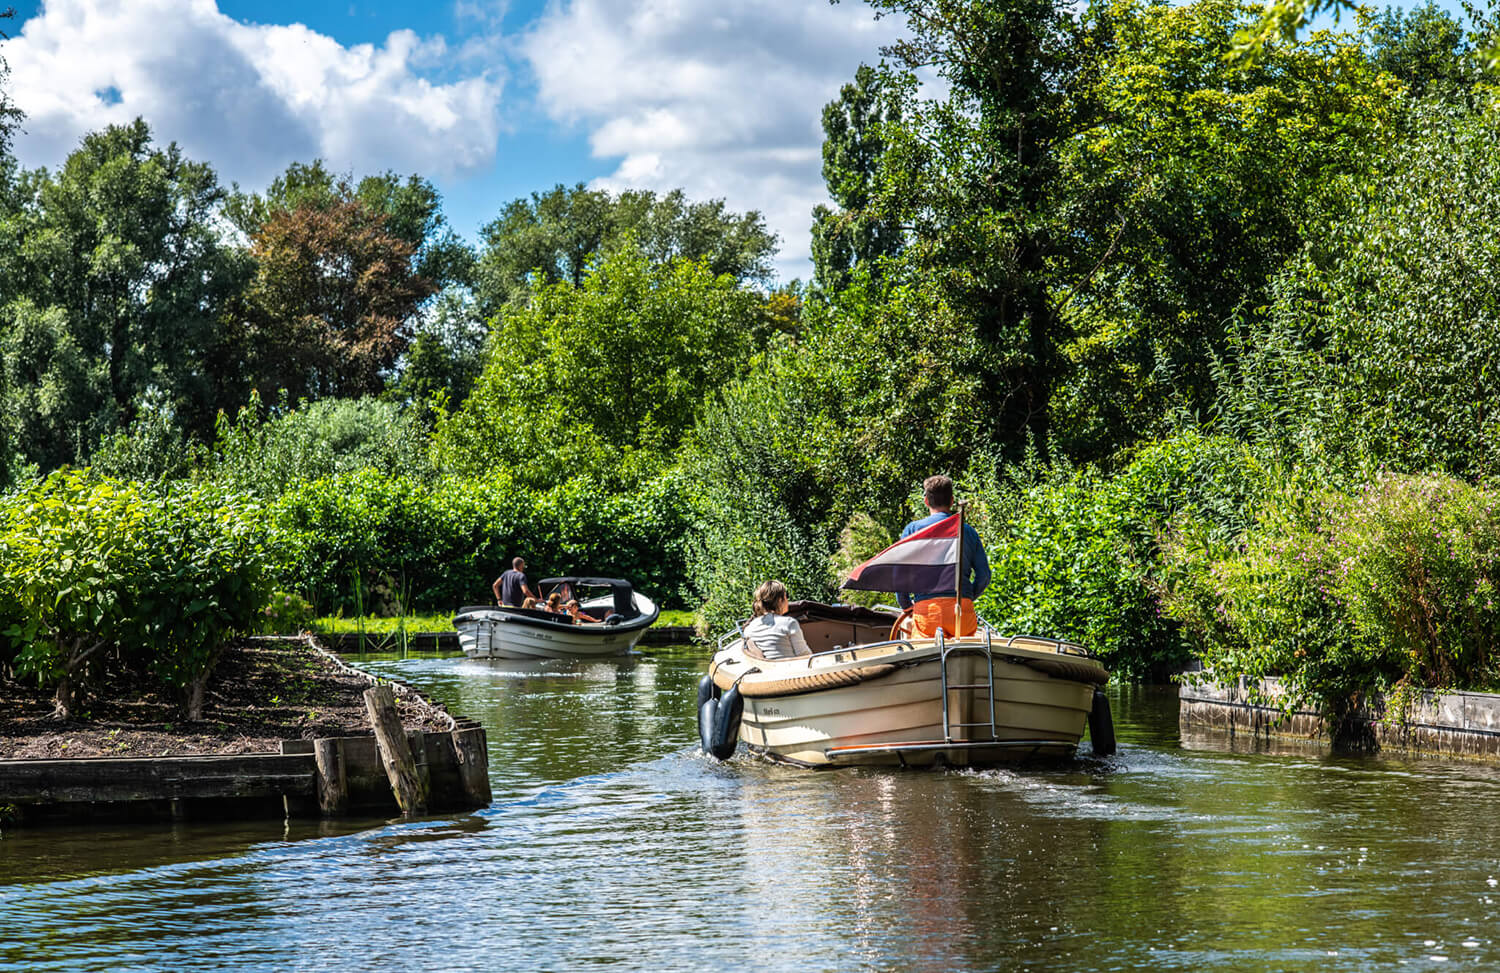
(119, 254)
(1424, 48)
(1208, 172)
(852, 146)
(554, 236)
(1379, 348)
(603, 374)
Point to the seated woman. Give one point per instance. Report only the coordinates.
(772, 631)
(530, 602)
(554, 604)
(579, 615)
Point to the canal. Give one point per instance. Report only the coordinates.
(613, 843)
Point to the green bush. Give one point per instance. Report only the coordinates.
(1077, 555)
(434, 545)
(1389, 589)
(286, 614)
(103, 576)
(266, 455)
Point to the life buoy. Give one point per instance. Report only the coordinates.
(1101, 726)
(725, 736)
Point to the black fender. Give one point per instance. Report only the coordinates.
(725, 736)
(707, 693)
(1101, 726)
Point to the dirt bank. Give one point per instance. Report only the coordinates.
(263, 691)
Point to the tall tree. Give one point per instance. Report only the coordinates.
(123, 271)
(603, 376)
(853, 142)
(412, 208)
(555, 236)
(333, 300)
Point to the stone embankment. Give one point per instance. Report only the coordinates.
(1451, 724)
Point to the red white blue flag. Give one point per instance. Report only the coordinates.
(925, 561)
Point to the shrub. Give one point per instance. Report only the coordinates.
(103, 575)
(416, 544)
(1389, 589)
(1077, 555)
(286, 614)
(266, 455)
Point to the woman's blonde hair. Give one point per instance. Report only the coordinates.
(530, 602)
(553, 599)
(768, 597)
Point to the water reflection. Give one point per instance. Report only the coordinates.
(612, 841)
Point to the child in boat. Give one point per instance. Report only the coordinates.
(579, 615)
(772, 631)
(530, 602)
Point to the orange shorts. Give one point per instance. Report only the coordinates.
(935, 613)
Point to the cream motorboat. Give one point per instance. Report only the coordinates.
(865, 697)
(504, 632)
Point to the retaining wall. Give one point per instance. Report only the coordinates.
(1452, 724)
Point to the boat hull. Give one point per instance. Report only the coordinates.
(897, 718)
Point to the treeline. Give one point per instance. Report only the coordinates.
(1208, 340)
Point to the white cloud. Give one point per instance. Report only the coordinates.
(247, 98)
(723, 98)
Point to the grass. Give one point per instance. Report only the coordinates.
(444, 623)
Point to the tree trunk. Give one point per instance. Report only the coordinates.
(62, 700)
(196, 691)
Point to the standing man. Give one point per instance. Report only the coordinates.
(511, 588)
(935, 607)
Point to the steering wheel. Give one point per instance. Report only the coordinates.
(896, 625)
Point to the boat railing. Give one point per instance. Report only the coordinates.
(860, 647)
(1009, 641)
(738, 634)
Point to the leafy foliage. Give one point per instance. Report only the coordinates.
(1078, 556)
(1380, 347)
(422, 544)
(124, 291)
(557, 236)
(265, 454)
(1389, 589)
(103, 577)
(605, 375)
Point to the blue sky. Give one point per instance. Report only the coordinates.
(490, 99)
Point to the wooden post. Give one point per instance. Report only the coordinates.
(396, 756)
(473, 765)
(417, 741)
(333, 789)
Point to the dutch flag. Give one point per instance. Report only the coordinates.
(925, 561)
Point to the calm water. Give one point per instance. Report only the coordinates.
(612, 842)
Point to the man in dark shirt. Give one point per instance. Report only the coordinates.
(511, 588)
(937, 494)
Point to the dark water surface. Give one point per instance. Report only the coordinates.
(613, 843)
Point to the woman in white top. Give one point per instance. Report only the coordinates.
(772, 631)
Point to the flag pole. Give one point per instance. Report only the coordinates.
(958, 578)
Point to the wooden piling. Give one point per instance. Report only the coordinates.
(395, 753)
(333, 786)
(473, 769)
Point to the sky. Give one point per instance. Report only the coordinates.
(490, 100)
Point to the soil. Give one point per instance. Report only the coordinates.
(262, 692)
